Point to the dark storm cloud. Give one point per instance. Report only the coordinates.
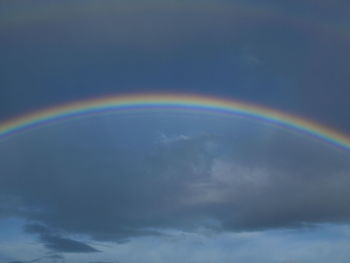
(116, 189)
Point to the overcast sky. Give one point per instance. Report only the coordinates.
(175, 186)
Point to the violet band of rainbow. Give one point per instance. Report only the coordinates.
(173, 101)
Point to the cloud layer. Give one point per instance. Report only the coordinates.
(99, 183)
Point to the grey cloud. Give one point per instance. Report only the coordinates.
(115, 187)
(55, 242)
(66, 245)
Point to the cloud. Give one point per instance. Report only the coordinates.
(60, 244)
(54, 258)
(171, 139)
(113, 188)
(253, 247)
(55, 242)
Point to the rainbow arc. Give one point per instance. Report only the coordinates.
(177, 102)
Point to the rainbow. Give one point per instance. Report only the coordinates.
(177, 102)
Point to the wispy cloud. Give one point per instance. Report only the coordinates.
(56, 242)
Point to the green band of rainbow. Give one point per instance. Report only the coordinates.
(177, 101)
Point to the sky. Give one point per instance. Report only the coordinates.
(172, 185)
